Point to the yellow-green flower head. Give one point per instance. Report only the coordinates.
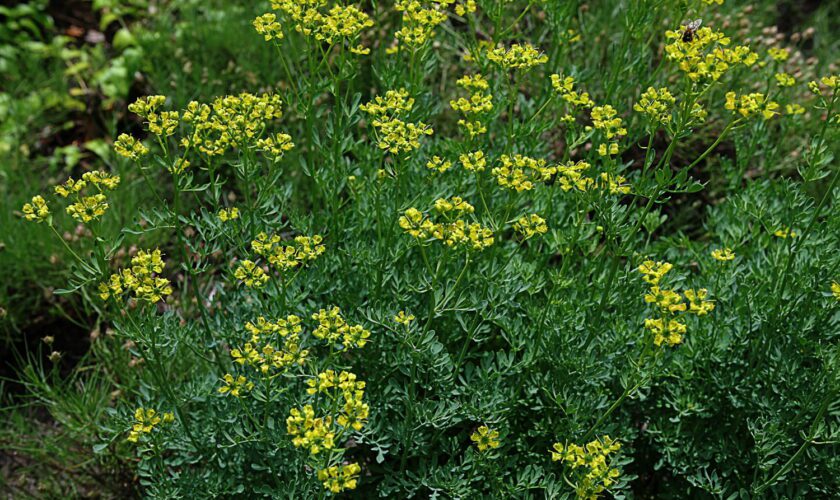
(835, 289)
(697, 302)
(654, 271)
(37, 210)
(418, 21)
(252, 275)
(778, 53)
(307, 431)
(230, 122)
(340, 477)
(146, 420)
(565, 85)
(785, 80)
(749, 105)
(666, 331)
(705, 55)
(785, 232)
(520, 172)
(228, 214)
(591, 472)
(236, 387)
(485, 438)
(474, 161)
(723, 254)
(129, 147)
(604, 118)
(102, 180)
(267, 26)
(517, 57)
(89, 208)
(394, 103)
(529, 226)
(455, 204)
(275, 146)
(438, 164)
(656, 105)
(404, 319)
(794, 109)
(141, 279)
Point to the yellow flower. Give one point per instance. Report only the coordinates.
(778, 54)
(474, 162)
(697, 303)
(591, 472)
(454, 204)
(794, 109)
(88, 208)
(520, 172)
(654, 271)
(339, 478)
(235, 386)
(309, 432)
(530, 225)
(604, 118)
(835, 289)
(749, 105)
(656, 105)
(251, 274)
(403, 319)
(785, 80)
(145, 421)
(785, 232)
(129, 147)
(228, 214)
(485, 438)
(723, 254)
(37, 210)
(518, 56)
(276, 145)
(438, 164)
(268, 26)
(564, 85)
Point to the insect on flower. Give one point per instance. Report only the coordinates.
(691, 29)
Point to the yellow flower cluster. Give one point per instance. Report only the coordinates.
(656, 105)
(723, 254)
(339, 478)
(565, 86)
(141, 279)
(785, 232)
(160, 123)
(37, 210)
(311, 18)
(778, 53)
(438, 164)
(228, 214)
(479, 103)
(669, 327)
(749, 105)
(831, 82)
(605, 119)
(785, 80)
(455, 204)
(570, 176)
(529, 226)
(267, 26)
(835, 289)
(452, 233)
(592, 472)
(276, 145)
(705, 55)
(235, 386)
(129, 147)
(419, 20)
(273, 345)
(320, 433)
(403, 319)
(146, 419)
(85, 208)
(474, 161)
(230, 122)
(517, 57)
(395, 135)
(301, 251)
(485, 438)
(252, 275)
(520, 172)
(332, 327)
